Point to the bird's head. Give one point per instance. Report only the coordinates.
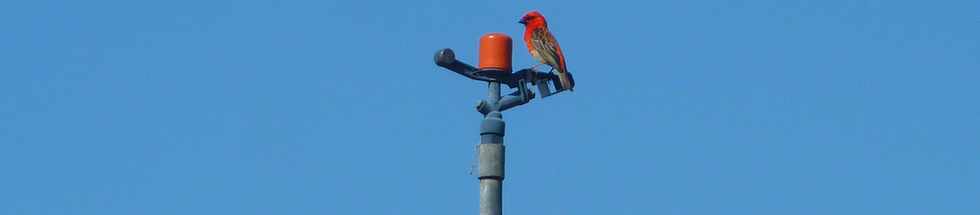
(532, 18)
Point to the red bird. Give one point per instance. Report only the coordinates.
(544, 47)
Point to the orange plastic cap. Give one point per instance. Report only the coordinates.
(495, 51)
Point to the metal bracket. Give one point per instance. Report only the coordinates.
(446, 58)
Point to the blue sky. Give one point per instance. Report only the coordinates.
(335, 107)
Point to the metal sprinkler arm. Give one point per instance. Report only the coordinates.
(446, 58)
(540, 79)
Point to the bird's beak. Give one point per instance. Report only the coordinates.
(522, 22)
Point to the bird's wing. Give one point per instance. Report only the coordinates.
(547, 48)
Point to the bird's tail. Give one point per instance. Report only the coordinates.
(566, 82)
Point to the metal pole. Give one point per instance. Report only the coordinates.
(491, 155)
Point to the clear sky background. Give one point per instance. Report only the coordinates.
(336, 107)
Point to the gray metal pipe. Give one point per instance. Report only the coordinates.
(491, 175)
(490, 154)
(490, 197)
